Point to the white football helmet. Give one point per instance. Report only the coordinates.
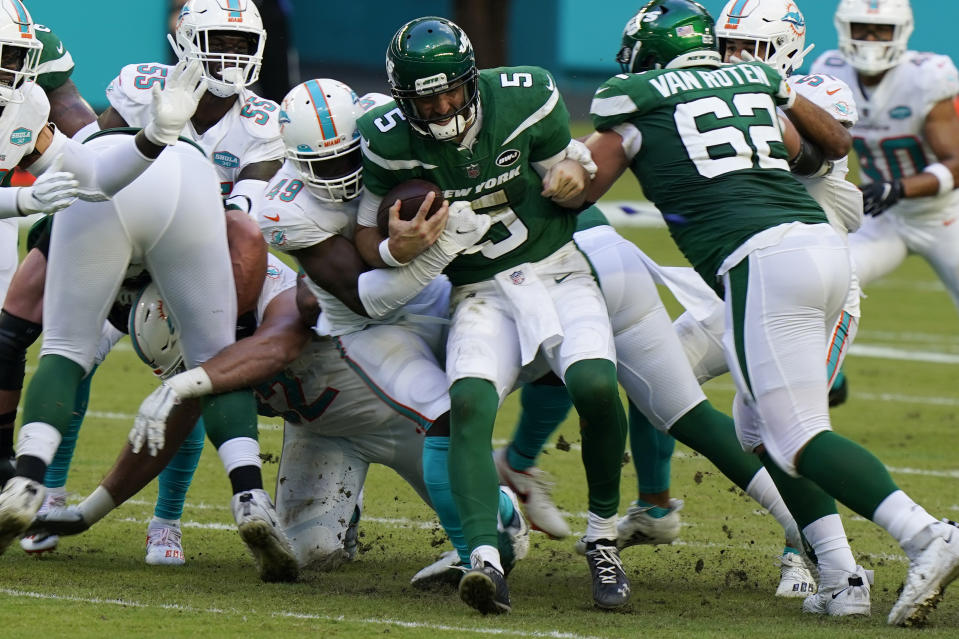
(19, 51)
(318, 127)
(156, 340)
(874, 57)
(778, 23)
(226, 72)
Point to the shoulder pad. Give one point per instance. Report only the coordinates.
(831, 59)
(828, 92)
(260, 116)
(934, 74)
(135, 83)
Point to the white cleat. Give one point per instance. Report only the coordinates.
(796, 580)
(42, 542)
(841, 594)
(163, 545)
(933, 565)
(639, 527)
(256, 520)
(444, 572)
(19, 502)
(532, 488)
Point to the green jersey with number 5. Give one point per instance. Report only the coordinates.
(706, 146)
(523, 120)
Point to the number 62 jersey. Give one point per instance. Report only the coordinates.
(705, 144)
(248, 133)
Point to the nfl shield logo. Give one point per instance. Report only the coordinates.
(517, 277)
(473, 171)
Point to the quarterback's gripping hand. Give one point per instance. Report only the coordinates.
(53, 191)
(579, 152)
(173, 106)
(879, 196)
(565, 181)
(464, 228)
(149, 426)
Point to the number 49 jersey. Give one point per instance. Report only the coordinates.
(248, 133)
(889, 135)
(707, 149)
(522, 120)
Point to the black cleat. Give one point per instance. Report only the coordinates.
(485, 590)
(839, 392)
(610, 583)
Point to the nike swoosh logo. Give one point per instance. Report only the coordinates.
(833, 92)
(560, 280)
(270, 217)
(949, 222)
(60, 47)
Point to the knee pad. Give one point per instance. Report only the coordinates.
(16, 336)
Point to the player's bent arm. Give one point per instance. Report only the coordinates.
(111, 119)
(335, 265)
(817, 126)
(248, 255)
(68, 110)
(611, 161)
(941, 131)
(306, 303)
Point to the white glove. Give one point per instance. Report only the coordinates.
(464, 228)
(579, 152)
(174, 105)
(53, 191)
(743, 56)
(149, 426)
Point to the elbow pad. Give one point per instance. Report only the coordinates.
(809, 162)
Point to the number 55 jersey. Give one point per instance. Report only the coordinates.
(889, 137)
(707, 149)
(246, 134)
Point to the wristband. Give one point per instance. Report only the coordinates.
(192, 383)
(944, 175)
(387, 257)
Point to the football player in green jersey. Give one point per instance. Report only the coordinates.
(498, 140)
(719, 173)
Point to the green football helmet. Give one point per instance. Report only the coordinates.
(428, 56)
(669, 34)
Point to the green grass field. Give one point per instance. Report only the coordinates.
(717, 581)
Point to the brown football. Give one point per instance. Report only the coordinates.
(411, 194)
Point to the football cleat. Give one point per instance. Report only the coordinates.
(933, 565)
(163, 545)
(841, 594)
(351, 537)
(610, 583)
(514, 536)
(533, 490)
(444, 572)
(484, 588)
(41, 542)
(639, 527)
(256, 520)
(19, 502)
(796, 580)
(839, 392)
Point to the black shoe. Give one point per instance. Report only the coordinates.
(485, 590)
(610, 584)
(839, 391)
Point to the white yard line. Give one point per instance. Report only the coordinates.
(372, 621)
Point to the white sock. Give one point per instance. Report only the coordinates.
(240, 451)
(600, 527)
(96, 506)
(828, 540)
(764, 491)
(39, 440)
(901, 516)
(160, 522)
(486, 554)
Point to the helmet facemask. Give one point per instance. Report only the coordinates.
(333, 177)
(872, 57)
(19, 51)
(447, 126)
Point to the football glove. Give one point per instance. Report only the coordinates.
(149, 425)
(173, 106)
(52, 191)
(879, 196)
(464, 228)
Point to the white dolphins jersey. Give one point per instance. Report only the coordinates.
(888, 137)
(248, 133)
(20, 124)
(840, 199)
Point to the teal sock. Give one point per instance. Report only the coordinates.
(506, 510)
(52, 391)
(436, 476)
(174, 480)
(56, 476)
(592, 385)
(473, 478)
(847, 471)
(543, 409)
(652, 452)
(712, 433)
